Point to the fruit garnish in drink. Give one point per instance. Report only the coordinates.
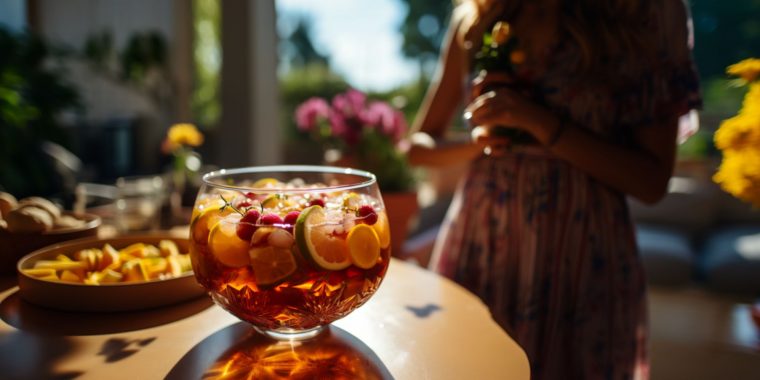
(367, 214)
(383, 230)
(363, 246)
(265, 183)
(205, 219)
(225, 245)
(271, 264)
(318, 240)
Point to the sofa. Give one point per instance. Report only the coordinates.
(699, 235)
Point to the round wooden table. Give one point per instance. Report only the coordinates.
(418, 326)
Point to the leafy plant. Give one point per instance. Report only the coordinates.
(33, 95)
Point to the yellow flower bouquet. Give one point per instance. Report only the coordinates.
(179, 142)
(739, 139)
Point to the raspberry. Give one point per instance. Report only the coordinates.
(317, 202)
(367, 214)
(270, 219)
(291, 217)
(247, 225)
(244, 203)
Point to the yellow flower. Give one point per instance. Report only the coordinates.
(739, 132)
(501, 33)
(748, 69)
(739, 175)
(751, 103)
(185, 134)
(739, 140)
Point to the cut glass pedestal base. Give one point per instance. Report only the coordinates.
(291, 335)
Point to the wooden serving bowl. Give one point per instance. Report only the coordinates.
(105, 297)
(14, 246)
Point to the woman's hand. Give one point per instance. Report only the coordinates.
(506, 107)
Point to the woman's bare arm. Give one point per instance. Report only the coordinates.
(641, 170)
(441, 102)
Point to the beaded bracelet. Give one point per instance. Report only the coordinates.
(561, 126)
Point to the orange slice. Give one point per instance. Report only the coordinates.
(317, 242)
(207, 217)
(363, 246)
(383, 230)
(226, 246)
(271, 265)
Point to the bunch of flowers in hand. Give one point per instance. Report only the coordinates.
(366, 134)
(739, 139)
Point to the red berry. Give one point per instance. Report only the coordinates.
(247, 225)
(250, 195)
(270, 219)
(244, 203)
(368, 214)
(317, 202)
(290, 219)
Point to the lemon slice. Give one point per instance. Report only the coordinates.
(363, 246)
(317, 243)
(265, 182)
(383, 230)
(226, 246)
(271, 264)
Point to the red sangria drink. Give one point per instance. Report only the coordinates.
(290, 249)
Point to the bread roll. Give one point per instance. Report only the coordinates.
(41, 203)
(7, 203)
(29, 219)
(67, 221)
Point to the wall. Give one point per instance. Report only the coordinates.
(71, 22)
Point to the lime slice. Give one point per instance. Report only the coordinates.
(363, 245)
(271, 264)
(226, 246)
(317, 242)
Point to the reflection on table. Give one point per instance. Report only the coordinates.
(418, 326)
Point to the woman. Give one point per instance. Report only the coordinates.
(541, 232)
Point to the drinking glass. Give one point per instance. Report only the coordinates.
(139, 202)
(289, 249)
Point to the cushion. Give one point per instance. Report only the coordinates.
(730, 259)
(667, 255)
(688, 207)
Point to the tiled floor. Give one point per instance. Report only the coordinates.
(698, 335)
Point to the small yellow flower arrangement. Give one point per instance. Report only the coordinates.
(180, 140)
(739, 139)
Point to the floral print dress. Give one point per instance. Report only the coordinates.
(552, 251)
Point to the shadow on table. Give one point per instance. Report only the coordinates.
(39, 320)
(239, 352)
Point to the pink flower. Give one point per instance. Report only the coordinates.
(386, 119)
(350, 103)
(310, 112)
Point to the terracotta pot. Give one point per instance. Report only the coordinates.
(402, 209)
